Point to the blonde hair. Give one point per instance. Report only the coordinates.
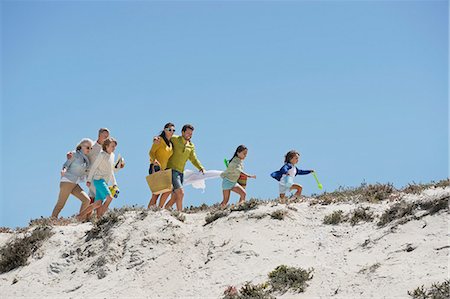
(107, 142)
(83, 141)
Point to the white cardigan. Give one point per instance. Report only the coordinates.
(103, 168)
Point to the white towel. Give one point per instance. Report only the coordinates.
(197, 179)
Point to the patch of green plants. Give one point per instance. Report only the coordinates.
(246, 206)
(279, 214)
(415, 188)
(213, 216)
(334, 218)
(104, 224)
(397, 211)
(178, 215)
(360, 214)
(248, 291)
(280, 280)
(285, 278)
(16, 253)
(436, 291)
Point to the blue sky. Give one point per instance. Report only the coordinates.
(359, 88)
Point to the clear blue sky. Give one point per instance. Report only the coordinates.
(359, 88)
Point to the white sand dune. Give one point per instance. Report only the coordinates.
(157, 256)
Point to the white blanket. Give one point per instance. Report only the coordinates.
(197, 179)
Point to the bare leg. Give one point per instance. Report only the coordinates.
(83, 215)
(226, 198)
(153, 200)
(282, 198)
(102, 210)
(180, 196)
(172, 200)
(299, 190)
(239, 190)
(163, 199)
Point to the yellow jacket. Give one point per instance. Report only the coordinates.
(182, 151)
(161, 152)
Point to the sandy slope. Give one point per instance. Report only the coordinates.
(158, 256)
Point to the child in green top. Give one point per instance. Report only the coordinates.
(231, 175)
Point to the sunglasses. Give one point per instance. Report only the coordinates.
(88, 147)
(170, 130)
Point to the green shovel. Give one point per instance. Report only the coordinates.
(319, 185)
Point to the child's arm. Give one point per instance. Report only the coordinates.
(114, 179)
(249, 175)
(303, 172)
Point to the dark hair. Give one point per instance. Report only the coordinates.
(188, 126)
(239, 149)
(290, 155)
(163, 135)
(107, 142)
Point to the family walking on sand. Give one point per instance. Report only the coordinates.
(95, 162)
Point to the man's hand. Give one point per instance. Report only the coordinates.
(63, 172)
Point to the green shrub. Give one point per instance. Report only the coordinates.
(16, 253)
(246, 206)
(397, 211)
(360, 214)
(279, 214)
(213, 216)
(434, 206)
(281, 280)
(201, 208)
(285, 278)
(415, 188)
(104, 225)
(437, 291)
(334, 218)
(178, 215)
(377, 192)
(49, 221)
(248, 291)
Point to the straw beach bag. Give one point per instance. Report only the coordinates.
(160, 182)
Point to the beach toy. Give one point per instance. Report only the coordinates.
(319, 185)
(114, 191)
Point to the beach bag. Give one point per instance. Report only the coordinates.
(160, 182)
(242, 180)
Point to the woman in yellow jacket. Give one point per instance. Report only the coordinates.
(161, 151)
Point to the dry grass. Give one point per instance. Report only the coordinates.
(436, 291)
(16, 253)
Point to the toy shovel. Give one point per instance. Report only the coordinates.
(319, 185)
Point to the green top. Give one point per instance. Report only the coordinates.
(182, 151)
(234, 169)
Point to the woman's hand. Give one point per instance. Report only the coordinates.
(69, 155)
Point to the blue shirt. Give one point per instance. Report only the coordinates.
(283, 170)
